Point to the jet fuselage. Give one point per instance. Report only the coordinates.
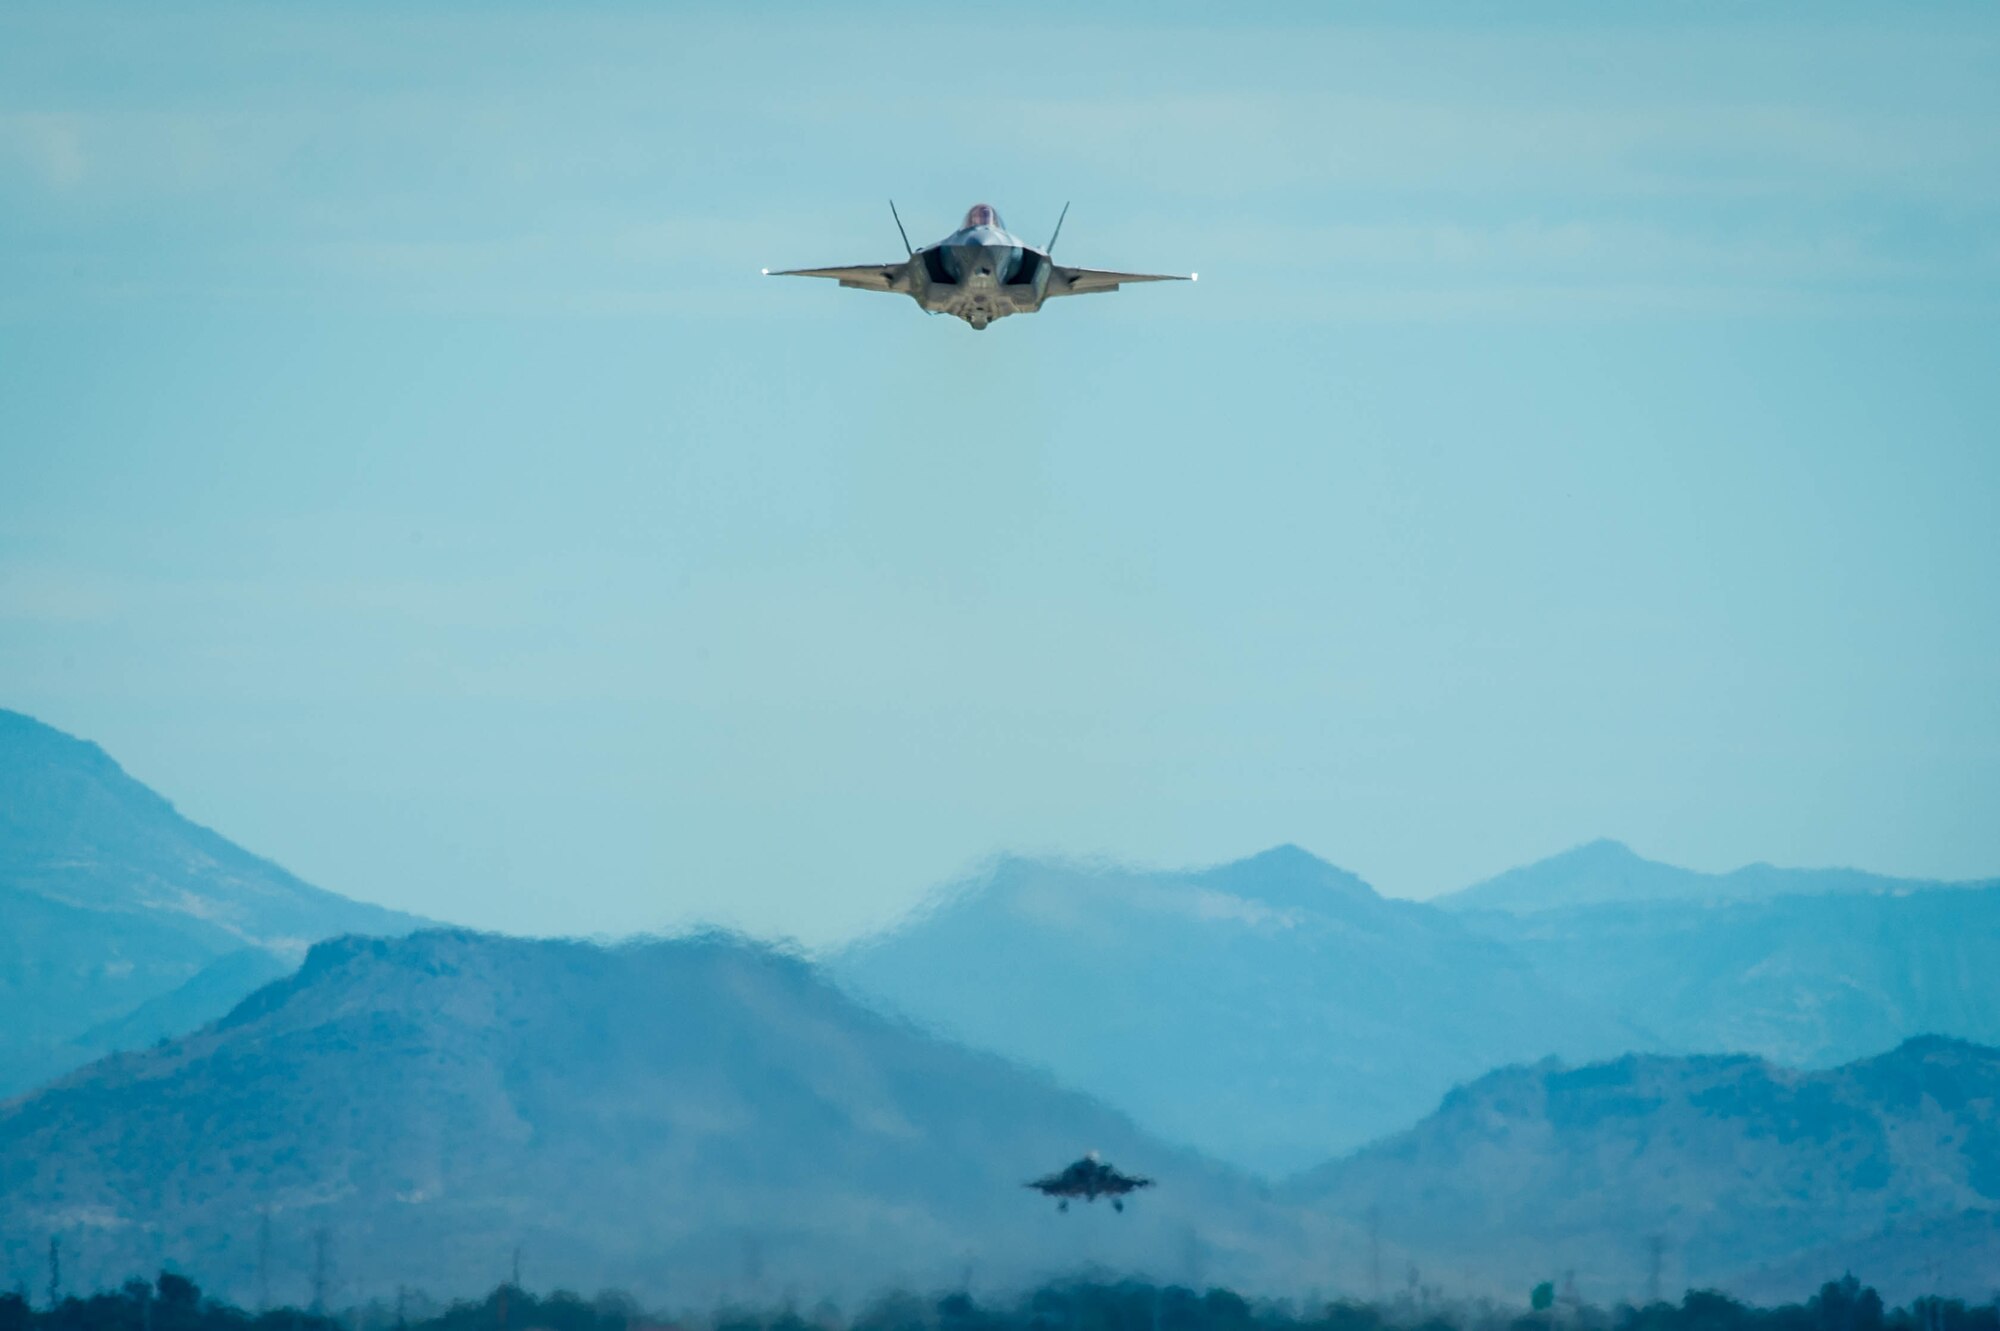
(979, 273)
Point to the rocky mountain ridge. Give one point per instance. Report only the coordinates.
(1606, 872)
(1747, 1175)
(1275, 1011)
(113, 901)
(696, 1118)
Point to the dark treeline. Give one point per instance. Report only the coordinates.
(174, 1303)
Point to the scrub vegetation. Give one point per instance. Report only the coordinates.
(174, 1303)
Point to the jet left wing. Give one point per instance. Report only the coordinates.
(867, 277)
(1088, 281)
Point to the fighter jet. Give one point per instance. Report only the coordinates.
(1089, 1178)
(980, 272)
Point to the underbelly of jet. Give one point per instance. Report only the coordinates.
(980, 283)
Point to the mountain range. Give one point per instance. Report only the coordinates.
(694, 1119)
(1274, 1011)
(706, 1118)
(1608, 872)
(1805, 980)
(1749, 1177)
(125, 921)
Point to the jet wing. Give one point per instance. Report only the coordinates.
(1088, 281)
(867, 277)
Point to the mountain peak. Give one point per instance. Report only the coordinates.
(449, 949)
(77, 829)
(1600, 850)
(368, 968)
(1923, 1046)
(1289, 877)
(21, 733)
(1605, 872)
(1290, 857)
(45, 771)
(128, 901)
(1056, 889)
(1285, 852)
(1920, 1054)
(1599, 871)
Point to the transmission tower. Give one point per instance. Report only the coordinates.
(55, 1271)
(319, 1272)
(1375, 1255)
(263, 1259)
(1656, 1246)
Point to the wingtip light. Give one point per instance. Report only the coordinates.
(1194, 277)
(765, 271)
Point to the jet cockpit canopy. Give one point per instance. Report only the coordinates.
(982, 214)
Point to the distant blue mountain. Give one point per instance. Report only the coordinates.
(1274, 1011)
(1807, 980)
(705, 1120)
(110, 900)
(1738, 1174)
(1811, 967)
(1609, 872)
(693, 1120)
(206, 995)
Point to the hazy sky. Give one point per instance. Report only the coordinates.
(1584, 426)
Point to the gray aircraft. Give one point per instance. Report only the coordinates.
(980, 272)
(1089, 1178)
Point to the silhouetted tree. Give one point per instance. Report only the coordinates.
(175, 1303)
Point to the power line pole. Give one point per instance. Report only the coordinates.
(263, 1259)
(1656, 1245)
(753, 1266)
(55, 1271)
(1375, 1255)
(319, 1272)
(508, 1289)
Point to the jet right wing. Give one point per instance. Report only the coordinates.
(1089, 281)
(867, 277)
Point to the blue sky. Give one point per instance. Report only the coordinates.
(1585, 425)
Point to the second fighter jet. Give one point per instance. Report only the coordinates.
(1089, 1178)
